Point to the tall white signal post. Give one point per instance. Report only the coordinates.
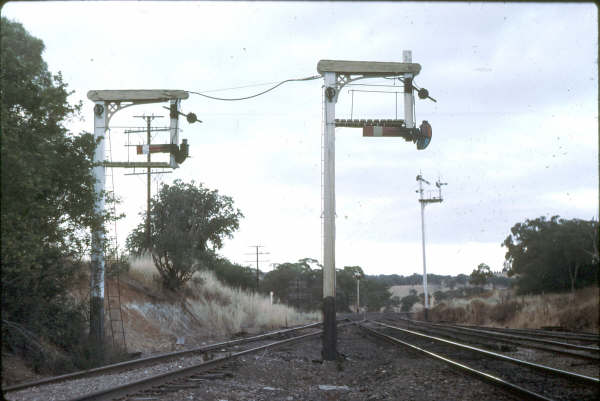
(338, 73)
(424, 201)
(106, 104)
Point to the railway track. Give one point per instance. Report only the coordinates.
(189, 377)
(226, 349)
(585, 338)
(524, 379)
(506, 339)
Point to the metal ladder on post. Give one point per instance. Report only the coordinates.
(115, 316)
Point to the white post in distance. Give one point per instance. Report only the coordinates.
(423, 201)
(426, 304)
(357, 294)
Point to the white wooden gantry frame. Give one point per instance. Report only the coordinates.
(338, 73)
(107, 103)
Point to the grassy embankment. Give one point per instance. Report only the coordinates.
(205, 309)
(501, 308)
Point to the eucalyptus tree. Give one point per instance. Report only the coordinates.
(188, 223)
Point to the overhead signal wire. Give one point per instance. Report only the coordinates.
(257, 94)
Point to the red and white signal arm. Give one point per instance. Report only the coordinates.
(371, 130)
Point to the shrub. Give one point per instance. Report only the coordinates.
(479, 311)
(579, 318)
(504, 312)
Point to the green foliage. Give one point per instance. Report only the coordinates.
(374, 294)
(481, 275)
(345, 282)
(407, 302)
(187, 224)
(300, 285)
(297, 284)
(552, 255)
(47, 201)
(232, 274)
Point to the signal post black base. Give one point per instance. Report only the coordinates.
(329, 352)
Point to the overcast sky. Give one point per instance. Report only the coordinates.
(515, 126)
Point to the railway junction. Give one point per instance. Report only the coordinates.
(381, 357)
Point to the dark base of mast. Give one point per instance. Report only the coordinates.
(329, 351)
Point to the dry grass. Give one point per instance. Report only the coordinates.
(577, 312)
(144, 272)
(209, 308)
(230, 310)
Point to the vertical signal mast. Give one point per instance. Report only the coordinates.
(424, 201)
(336, 74)
(106, 104)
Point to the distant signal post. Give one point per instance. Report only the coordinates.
(424, 201)
(338, 73)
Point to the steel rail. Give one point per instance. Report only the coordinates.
(157, 380)
(520, 391)
(153, 358)
(538, 340)
(542, 368)
(588, 337)
(574, 354)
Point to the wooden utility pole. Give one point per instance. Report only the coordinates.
(148, 174)
(257, 255)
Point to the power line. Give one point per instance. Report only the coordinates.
(260, 93)
(257, 254)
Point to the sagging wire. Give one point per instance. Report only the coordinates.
(257, 94)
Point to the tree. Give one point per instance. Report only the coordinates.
(47, 196)
(346, 287)
(552, 255)
(481, 275)
(296, 283)
(233, 274)
(408, 301)
(187, 224)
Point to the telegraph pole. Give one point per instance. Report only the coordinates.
(424, 201)
(146, 148)
(257, 254)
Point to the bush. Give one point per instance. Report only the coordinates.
(443, 313)
(479, 311)
(408, 301)
(504, 312)
(579, 318)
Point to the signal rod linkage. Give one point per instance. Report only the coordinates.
(190, 117)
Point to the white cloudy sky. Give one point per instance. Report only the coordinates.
(515, 128)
